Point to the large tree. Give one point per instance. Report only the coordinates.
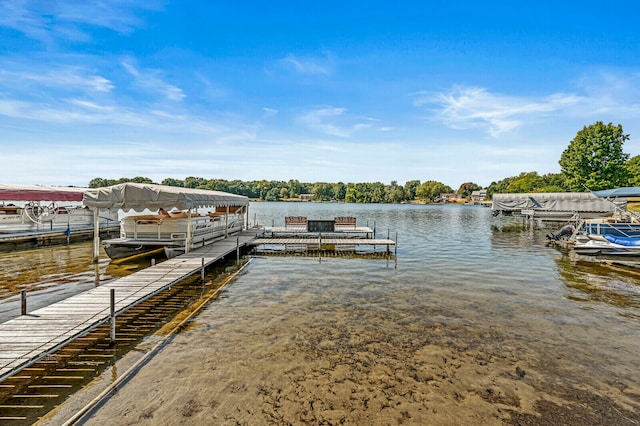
(633, 168)
(467, 188)
(594, 159)
(431, 190)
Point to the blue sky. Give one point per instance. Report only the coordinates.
(330, 91)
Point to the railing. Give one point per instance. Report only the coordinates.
(295, 221)
(618, 229)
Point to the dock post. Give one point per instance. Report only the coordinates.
(112, 311)
(395, 246)
(153, 261)
(395, 253)
(202, 271)
(23, 300)
(237, 250)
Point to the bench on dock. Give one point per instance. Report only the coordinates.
(345, 221)
(295, 221)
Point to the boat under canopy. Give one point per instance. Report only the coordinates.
(179, 231)
(40, 193)
(45, 210)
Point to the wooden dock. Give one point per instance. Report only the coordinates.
(302, 230)
(324, 241)
(30, 338)
(320, 243)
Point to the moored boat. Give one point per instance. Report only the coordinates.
(147, 233)
(607, 244)
(46, 209)
(179, 230)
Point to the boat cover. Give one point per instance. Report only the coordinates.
(623, 241)
(40, 193)
(139, 196)
(556, 201)
(629, 191)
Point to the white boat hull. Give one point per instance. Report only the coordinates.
(146, 233)
(597, 245)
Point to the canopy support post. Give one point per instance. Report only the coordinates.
(187, 243)
(226, 223)
(96, 234)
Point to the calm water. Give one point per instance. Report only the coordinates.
(463, 280)
(477, 268)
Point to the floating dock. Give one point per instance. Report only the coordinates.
(343, 239)
(29, 338)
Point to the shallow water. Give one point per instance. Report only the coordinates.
(49, 274)
(479, 321)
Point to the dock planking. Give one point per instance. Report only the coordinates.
(327, 241)
(29, 338)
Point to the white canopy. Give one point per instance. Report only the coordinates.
(138, 196)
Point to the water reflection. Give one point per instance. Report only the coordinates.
(591, 282)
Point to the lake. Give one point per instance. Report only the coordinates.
(478, 321)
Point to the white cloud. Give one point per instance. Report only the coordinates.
(310, 65)
(474, 107)
(149, 81)
(335, 121)
(70, 78)
(50, 20)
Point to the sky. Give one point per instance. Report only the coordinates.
(331, 91)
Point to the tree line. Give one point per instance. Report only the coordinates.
(592, 161)
(293, 189)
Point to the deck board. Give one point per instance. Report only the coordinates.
(29, 338)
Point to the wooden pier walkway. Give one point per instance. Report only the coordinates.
(29, 338)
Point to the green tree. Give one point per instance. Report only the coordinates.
(295, 188)
(594, 159)
(194, 182)
(98, 183)
(322, 191)
(431, 190)
(526, 182)
(339, 191)
(410, 188)
(172, 182)
(467, 188)
(633, 169)
(139, 179)
(272, 194)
